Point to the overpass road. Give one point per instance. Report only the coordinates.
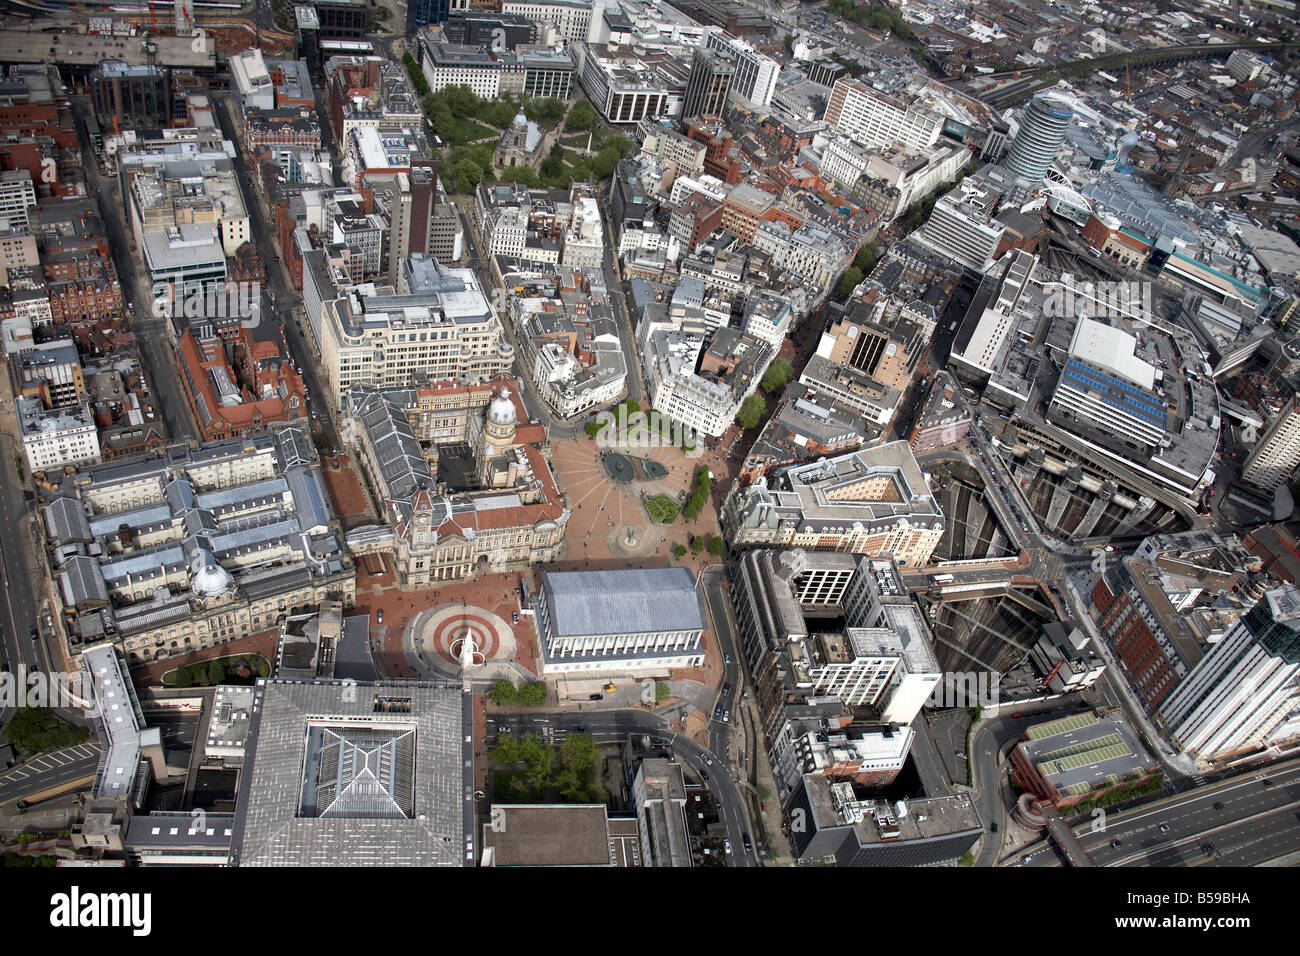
(1241, 821)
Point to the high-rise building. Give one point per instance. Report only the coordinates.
(755, 76)
(709, 83)
(1277, 453)
(1042, 130)
(963, 232)
(1245, 687)
(424, 13)
(877, 120)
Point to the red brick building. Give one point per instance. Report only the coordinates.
(224, 396)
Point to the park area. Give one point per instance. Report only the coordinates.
(528, 770)
(471, 127)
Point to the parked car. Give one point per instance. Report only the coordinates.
(726, 717)
(379, 616)
(595, 697)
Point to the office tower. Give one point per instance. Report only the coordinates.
(877, 120)
(708, 86)
(1042, 130)
(961, 232)
(1277, 453)
(1245, 686)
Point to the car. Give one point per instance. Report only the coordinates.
(514, 617)
(726, 688)
(705, 775)
(582, 728)
(726, 658)
(717, 712)
(993, 828)
(595, 697)
(707, 759)
(1115, 844)
(379, 616)
(1164, 828)
(36, 636)
(726, 845)
(726, 717)
(1207, 849)
(1268, 782)
(749, 844)
(479, 794)
(1218, 805)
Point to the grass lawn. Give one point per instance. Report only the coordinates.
(663, 510)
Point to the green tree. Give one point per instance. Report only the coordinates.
(581, 116)
(540, 759)
(717, 546)
(777, 375)
(262, 667)
(849, 281)
(595, 428)
(505, 750)
(468, 175)
(579, 752)
(216, 672)
(502, 692)
(751, 412)
(679, 550)
(866, 259)
(532, 694)
(182, 677)
(461, 99)
(416, 74)
(35, 730)
(697, 544)
(662, 692)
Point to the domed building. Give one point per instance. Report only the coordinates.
(523, 144)
(500, 426)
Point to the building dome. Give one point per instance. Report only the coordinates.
(209, 580)
(521, 119)
(501, 411)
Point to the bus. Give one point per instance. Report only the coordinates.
(939, 580)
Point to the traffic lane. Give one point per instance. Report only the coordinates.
(149, 329)
(271, 261)
(1262, 837)
(45, 773)
(1198, 811)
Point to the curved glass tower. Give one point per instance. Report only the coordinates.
(1042, 129)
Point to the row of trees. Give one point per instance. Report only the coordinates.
(699, 494)
(571, 772)
(212, 673)
(530, 694)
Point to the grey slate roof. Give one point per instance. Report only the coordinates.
(270, 826)
(632, 601)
